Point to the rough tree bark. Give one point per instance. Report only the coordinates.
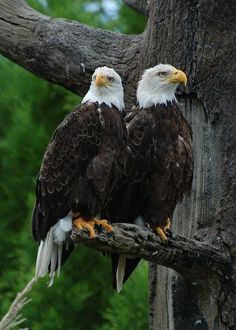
(193, 259)
(198, 36)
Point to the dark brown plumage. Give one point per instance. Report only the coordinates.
(80, 167)
(159, 171)
(161, 140)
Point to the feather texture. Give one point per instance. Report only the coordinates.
(81, 166)
(50, 250)
(120, 273)
(158, 171)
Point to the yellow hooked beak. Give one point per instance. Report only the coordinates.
(178, 76)
(101, 81)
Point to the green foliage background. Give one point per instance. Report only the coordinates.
(30, 110)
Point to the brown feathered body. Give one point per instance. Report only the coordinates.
(81, 166)
(159, 169)
(161, 141)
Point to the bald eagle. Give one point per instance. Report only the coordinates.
(160, 167)
(80, 168)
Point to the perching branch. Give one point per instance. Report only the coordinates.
(141, 6)
(12, 318)
(190, 258)
(62, 51)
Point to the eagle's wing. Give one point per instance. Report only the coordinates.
(173, 173)
(74, 144)
(129, 199)
(142, 145)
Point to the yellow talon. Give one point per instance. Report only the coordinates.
(167, 225)
(161, 233)
(104, 223)
(80, 224)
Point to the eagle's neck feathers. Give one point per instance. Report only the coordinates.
(109, 95)
(149, 94)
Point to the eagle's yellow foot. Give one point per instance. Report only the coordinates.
(167, 225)
(104, 223)
(161, 233)
(80, 224)
(165, 230)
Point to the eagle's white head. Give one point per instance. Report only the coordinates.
(158, 85)
(106, 87)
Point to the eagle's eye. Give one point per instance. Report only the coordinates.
(94, 77)
(162, 74)
(111, 79)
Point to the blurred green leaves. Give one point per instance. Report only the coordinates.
(106, 14)
(129, 309)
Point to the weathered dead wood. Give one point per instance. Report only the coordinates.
(193, 259)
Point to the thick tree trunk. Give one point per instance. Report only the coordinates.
(199, 37)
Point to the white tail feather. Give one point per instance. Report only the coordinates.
(50, 250)
(53, 263)
(120, 272)
(46, 254)
(51, 280)
(59, 253)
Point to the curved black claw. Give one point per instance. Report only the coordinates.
(148, 226)
(101, 229)
(169, 233)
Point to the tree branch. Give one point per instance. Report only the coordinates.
(141, 6)
(191, 258)
(12, 318)
(61, 51)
